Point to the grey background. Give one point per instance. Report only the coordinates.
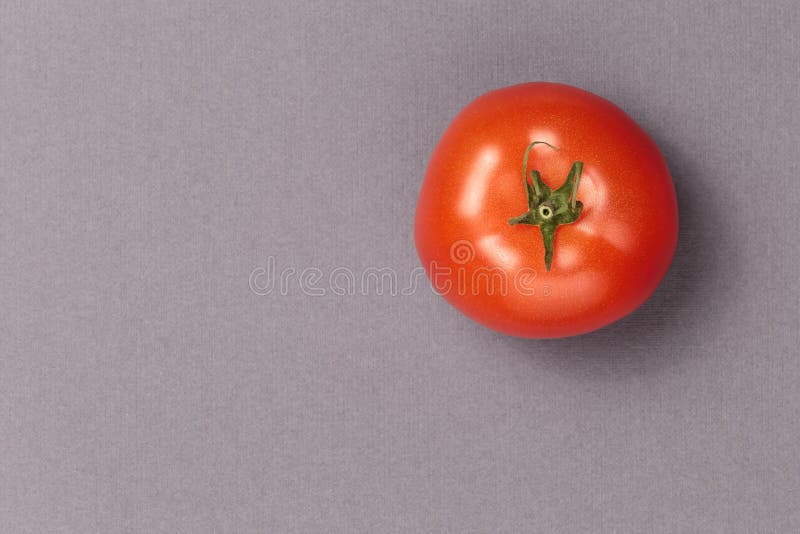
(155, 153)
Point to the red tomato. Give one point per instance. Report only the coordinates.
(546, 212)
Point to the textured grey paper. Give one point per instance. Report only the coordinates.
(155, 155)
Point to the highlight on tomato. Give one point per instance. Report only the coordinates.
(545, 211)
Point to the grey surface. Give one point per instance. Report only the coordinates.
(155, 153)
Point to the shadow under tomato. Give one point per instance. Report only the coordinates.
(674, 322)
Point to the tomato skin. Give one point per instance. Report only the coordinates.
(605, 264)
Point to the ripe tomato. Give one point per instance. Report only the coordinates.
(546, 212)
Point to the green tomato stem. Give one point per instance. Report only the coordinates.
(549, 209)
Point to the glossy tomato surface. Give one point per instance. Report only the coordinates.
(530, 161)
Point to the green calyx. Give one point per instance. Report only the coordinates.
(547, 209)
